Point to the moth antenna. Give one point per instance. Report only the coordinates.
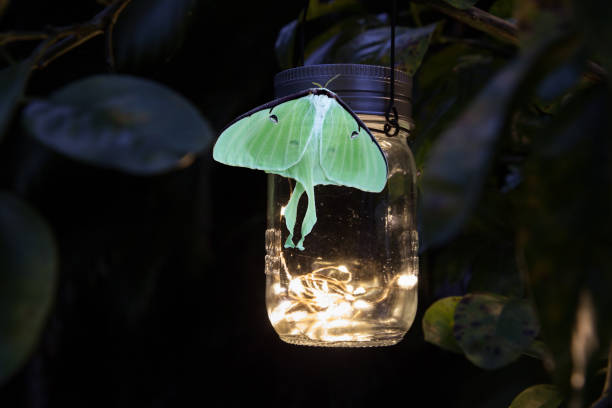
(317, 84)
(331, 79)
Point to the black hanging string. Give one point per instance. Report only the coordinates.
(392, 127)
(299, 43)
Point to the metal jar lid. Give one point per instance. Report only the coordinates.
(365, 88)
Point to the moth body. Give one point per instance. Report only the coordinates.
(312, 137)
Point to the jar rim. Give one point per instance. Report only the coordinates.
(364, 88)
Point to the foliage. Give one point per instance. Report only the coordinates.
(511, 143)
(130, 124)
(121, 122)
(511, 140)
(28, 261)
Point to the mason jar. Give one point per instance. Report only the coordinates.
(355, 284)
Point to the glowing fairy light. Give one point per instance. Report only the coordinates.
(407, 281)
(326, 305)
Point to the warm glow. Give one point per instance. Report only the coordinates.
(407, 281)
(277, 289)
(282, 210)
(325, 305)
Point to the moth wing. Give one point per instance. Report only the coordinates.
(272, 138)
(349, 154)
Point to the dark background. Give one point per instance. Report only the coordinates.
(161, 294)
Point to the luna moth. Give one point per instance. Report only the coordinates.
(312, 137)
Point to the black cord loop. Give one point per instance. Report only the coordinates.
(392, 122)
(391, 114)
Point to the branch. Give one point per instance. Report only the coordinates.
(71, 37)
(501, 29)
(605, 401)
(482, 21)
(14, 36)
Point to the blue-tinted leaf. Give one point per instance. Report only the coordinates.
(284, 46)
(374, 47)
(150, 32)
(121, 122)
(28, 274)
(493, 330)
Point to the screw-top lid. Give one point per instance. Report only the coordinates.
(365, 88)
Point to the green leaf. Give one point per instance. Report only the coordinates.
(493, 330)
(320, 8)
(3, 5)
(374, 47)
(447, 82)
(461, 4)
(564, 236)
(28, 274)
(438, 324)
(538, 396)
(593, 18)
(502, 8)
(121, 122)
(150, 32)
(459, 161)
(12, 84)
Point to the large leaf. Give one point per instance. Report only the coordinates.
(459, 162)
(494, 330)
(447, 82)
(438, 323)
(565, 223)
(538, 396)
(285, 45)
(285, 42)
(149, 32)
(121, 122)
(12, 83)
(28, 274)
(374, 47)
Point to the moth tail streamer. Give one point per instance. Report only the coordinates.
(291, 212)
(310, 218)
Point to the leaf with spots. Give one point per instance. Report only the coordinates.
(493, 330)
(120, 122)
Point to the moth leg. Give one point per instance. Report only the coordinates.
(310, 218)
(291, 212)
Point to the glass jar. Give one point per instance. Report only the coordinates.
(355, 284)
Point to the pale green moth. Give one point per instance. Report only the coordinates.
(312, 137)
